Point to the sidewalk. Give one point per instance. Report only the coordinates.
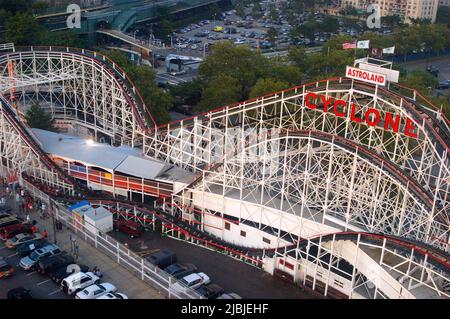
(114, 273)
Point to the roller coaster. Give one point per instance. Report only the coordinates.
(346, 209)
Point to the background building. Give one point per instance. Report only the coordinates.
(409, 9)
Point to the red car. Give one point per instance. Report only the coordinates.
(12, 230)
(129, 227)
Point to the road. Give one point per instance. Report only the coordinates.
(442, 63)
(232, 275)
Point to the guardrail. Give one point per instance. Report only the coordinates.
(107, 245)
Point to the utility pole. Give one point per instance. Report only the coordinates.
(52, 212)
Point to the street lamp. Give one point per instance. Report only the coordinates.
(204, 49)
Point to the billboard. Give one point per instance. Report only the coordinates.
(366, 76)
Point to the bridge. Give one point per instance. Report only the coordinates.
(297, 182)
(118, 15)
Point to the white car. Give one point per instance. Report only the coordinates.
(192, 281)
(113, 295)
(95, 291)
(78, 281)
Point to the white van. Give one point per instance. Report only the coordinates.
(78, 281)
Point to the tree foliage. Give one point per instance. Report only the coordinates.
(238, 62)
(266, 86)
(220, 91)
(157, 100)
(38, 118)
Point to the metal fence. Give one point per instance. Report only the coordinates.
(107, 245)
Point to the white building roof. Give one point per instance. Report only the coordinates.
(96, 214)
(123, 159)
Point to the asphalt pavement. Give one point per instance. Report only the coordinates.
(233, 275)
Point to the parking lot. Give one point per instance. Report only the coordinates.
(232, 275)
(42, 287)
(194, 39)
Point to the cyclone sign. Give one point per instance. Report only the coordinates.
(366, 76)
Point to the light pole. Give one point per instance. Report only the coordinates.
(204, 49)
(171, 40)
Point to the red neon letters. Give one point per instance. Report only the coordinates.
(372, 117)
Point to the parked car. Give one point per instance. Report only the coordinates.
(95, 291)
(163, 258)
(433, 70)
(129, 227)
(29, 262)
(8, 220)
(78, 281)
(211, 291)
(192, 281)
(443, 85)
(5, 210)
(230, 295)
(6, 269)
(113, 295)
(21, 239)
(19, 293)
(47, 265)
(12, 230)
(62, 272)
(27, 248)
(179, 271)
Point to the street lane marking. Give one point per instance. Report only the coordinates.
(43, 282)
(55, 292)
(31, 273)
(12, 255)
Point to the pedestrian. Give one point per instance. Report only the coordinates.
(22, 193)
(33, 229)
(28, 218)
(76, 252)
(45, 233)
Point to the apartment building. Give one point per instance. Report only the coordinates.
(409, 9)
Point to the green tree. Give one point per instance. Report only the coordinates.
(288, 73)
(22, 29)
(14, 6)
(188, 93)
(273, 13)
(420, 80)
(58, 38)
(240, 10)
(239, 62)
(266, 86)
(272, 35)
(39, 5)
(37, 118)
(157, 100)
(256, 11)
(297, 55)
(221, 91)
(329, 24)
(165, 28)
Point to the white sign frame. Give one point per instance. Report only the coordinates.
(369, 76)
